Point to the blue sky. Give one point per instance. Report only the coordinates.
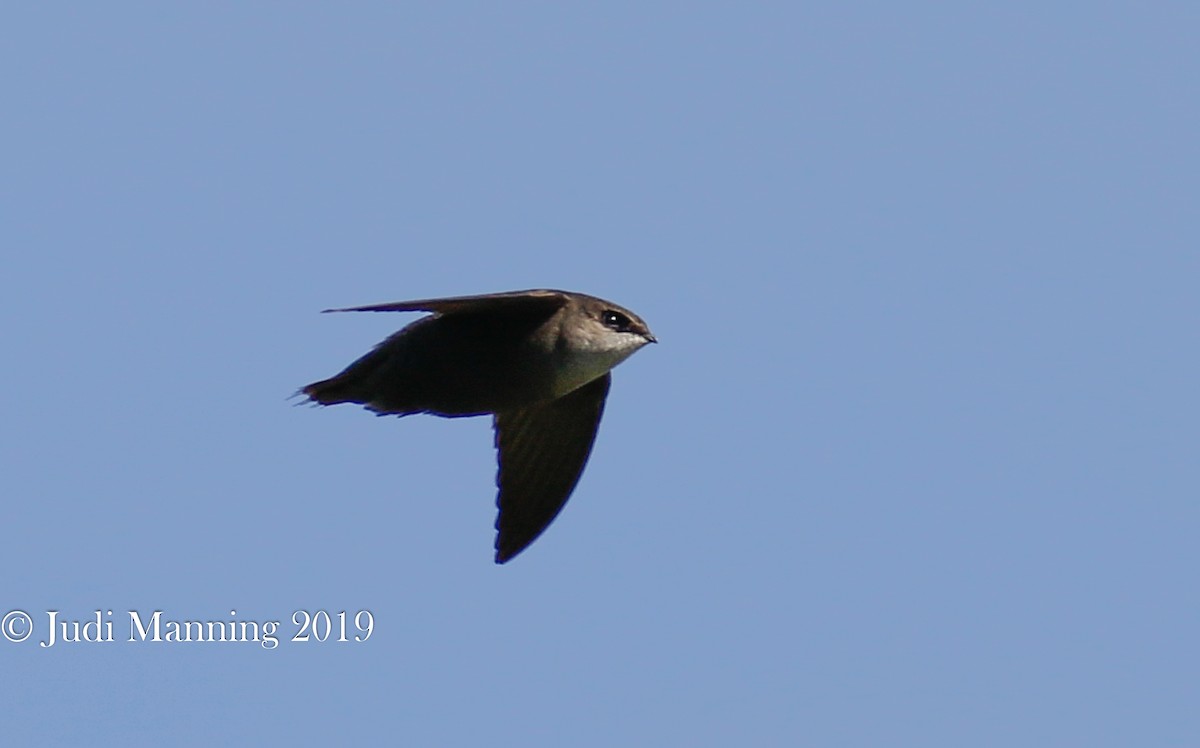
(914, 463)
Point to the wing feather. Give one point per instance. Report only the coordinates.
(540, 300)
(542, 450)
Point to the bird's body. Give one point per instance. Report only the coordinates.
(447, 366)
(539, 361)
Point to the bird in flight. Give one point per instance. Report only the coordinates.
(537, 361)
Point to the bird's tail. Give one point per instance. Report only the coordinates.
(331, 391)
(352, 385)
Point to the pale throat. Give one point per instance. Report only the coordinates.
(578, 366)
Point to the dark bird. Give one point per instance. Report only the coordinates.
(537, 361)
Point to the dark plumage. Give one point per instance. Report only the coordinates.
(538, 361)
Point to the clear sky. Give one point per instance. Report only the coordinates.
(914, 463)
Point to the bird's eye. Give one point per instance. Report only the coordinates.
(615, 320)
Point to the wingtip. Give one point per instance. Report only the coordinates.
(504, 555)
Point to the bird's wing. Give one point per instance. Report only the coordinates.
(545, 301)
(542, 450)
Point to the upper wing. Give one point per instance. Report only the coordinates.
(542, 451)
(511, 301)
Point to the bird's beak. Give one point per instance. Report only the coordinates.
(649, 336)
